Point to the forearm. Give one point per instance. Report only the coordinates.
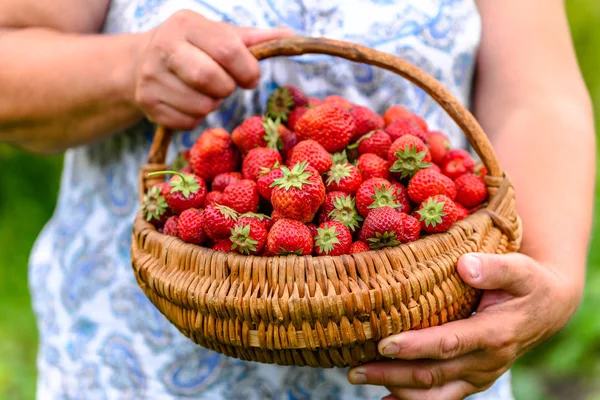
(61, 90)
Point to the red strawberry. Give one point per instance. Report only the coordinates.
(191, 226)
(298, 96)
(221, 181)
(218, 221)
(332, 239)
(264, 182)
(213, 198)
(427, 183)
(255, 132)
(408, 154)
(343, 178)
(259, 159)
(248, 236)
(376, 142)
(164, 188)
(377, 192)
(411, 228)
(288, 140)
(299, 193)
(470, 190)
(340, 207)
(187, 191)
(313, 102)
(457, 162)
(461, 212)
(241, 196)
(329, 125)
(358, 247)
(366, 120)
(382, 228)
(154, 206)
(338, 101)
(313, 230)
(289, 236)
(402, 199)
(405, 126)
(434, 167)
(283, 100)
(395, 112)
(480, 170)
(213, 153)
(313, 153)
(372, 166)
(262, 218)
(437, 214)
(223, 245)
(295, 115)
(439, 144)
(170, 227)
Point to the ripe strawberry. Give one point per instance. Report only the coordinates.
(263, 184)
(382, 228)
(313, 153)
(213, 198)
(340, 207)
(262, 218)
(191, 226)
(439, 144)
(295, 115)
(427, 183)
(329, 125)
(437, 214)
(470, 190)
(402, 199)
(343, 178)
(187, 191)
(213, 153)
(248, 236)
(164, 188)
(409, 155)
(358, 247)
(411, 228)
(154, 206)
(283, 100)
(288, 140)
(313, 102)
(223, 245)
(221, 181)
(434, 167)
(299, 193)
(241, 196)
(257, 159)
(332, 239)
(376, 142)
(396, 112)
(457, 162)
(289, 236)
(405, 126)
(313, 230)
(218, 221)
(372, 166)
(375, 193)
(480, 170)
(338, 101)
(255, 132)
(366, 120)
(461, 212)
(170, 227)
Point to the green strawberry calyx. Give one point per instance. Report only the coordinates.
(259, 216)
(345, 212)
(338, 172)
(187, 184)
(242, 240)
(326, 239)
(272, 133)
(296, 177)
(432, 212)
(363, 137)
(384, 196)
(383, 239)
(228, 213)
(154, 204)
(285, 252)
(340, 158)
(409, 161)
(280, 104)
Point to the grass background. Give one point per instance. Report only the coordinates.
(565, 367)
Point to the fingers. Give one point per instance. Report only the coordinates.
(512, 272)
(252, 36)
(166, 115)
(456, 390)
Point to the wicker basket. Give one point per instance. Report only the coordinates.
(323, 311)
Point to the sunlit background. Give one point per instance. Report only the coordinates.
(567, 367)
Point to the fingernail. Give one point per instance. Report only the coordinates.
(473, 265)
(358, 377)
(390, 350)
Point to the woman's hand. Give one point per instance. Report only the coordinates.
(189, 63)
(523, 304)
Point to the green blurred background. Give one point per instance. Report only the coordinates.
(566, 367)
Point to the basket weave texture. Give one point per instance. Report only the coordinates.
(323, 311)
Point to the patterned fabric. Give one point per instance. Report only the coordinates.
(100, 337)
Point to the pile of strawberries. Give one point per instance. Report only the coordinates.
(316, 177)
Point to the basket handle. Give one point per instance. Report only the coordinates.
(303, 45)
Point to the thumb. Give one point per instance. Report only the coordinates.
(252, 36)
(511, 272)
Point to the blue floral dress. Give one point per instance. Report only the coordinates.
(100, 337)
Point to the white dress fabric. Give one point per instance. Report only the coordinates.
(100, 338)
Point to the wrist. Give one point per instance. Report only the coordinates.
(123, 77)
